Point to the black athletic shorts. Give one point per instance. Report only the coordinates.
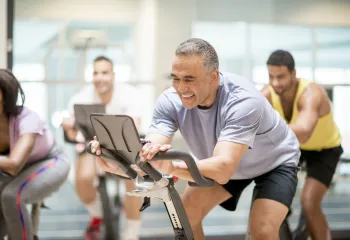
(279, 184)
(321, 165)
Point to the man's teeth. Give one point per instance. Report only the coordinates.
(187, 95)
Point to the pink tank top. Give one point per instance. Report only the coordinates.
(29, 121)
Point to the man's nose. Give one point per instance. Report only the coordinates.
(182, 87)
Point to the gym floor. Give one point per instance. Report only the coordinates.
(67, 218)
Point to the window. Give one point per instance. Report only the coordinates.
(266, 38)
(228, 39)
(333, 55)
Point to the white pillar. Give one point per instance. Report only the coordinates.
(144, 41)
(3, 33)
(161, 26)
(174, 26)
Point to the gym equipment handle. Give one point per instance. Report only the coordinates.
(171, 154)
(121, 162)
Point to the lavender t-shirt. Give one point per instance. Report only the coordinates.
(29, 121)
(239, 114)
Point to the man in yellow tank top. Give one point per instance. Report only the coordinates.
(305, 106)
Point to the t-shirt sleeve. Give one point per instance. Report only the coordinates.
(242, 121)
(84, 96)
(30, 122)
(164, 115)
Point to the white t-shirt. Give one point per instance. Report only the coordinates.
(123, 100)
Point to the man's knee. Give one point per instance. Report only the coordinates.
(84, 179)
(194, 211)
(85, 174)
(129, 185)
(263, 229)
(310, 204)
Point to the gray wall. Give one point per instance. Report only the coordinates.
(316, 12)
(3, 33)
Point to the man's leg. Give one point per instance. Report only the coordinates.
(321, 166)
(198, 204)
(132, 207)
(266, 218)
(275, 191)
(311, 198)
(86, 175)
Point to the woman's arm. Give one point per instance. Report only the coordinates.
(18, 156)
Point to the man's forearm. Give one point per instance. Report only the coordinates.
(300, 133)
(210, 168)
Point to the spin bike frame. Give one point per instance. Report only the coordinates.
(120, 146)
(111, 212)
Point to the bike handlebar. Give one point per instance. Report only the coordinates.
(125, 165)
(172, 154)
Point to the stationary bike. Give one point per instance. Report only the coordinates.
(120, 146)
(111, 209)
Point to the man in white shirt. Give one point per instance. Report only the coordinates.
(118, 99)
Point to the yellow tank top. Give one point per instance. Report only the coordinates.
(326, 133)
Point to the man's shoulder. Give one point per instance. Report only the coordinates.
(124, 87)
(235, 83)
(312, 91)
(169, 100)
(170, 94)
(238, 87)
(84, 95)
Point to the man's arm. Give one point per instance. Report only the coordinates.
(220, 167)
(241, 125)
(309, 104)
(266, 92)
(68, 126)
(112, 168)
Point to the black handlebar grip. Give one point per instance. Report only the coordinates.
(152, 172)
(170, 154)
(112, 156)
(66, 138)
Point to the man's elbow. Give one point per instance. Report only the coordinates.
(304, 137)
(227, 168)
(222, 180)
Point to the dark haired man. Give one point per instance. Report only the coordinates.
(118, 99)
(306, 107)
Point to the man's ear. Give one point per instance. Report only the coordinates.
(214, 76)
(294, 73)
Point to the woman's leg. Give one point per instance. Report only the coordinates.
(32, 185)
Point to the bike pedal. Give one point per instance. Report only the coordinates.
(146, 203)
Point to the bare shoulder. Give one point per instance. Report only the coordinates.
(314, 95)
(266, 92)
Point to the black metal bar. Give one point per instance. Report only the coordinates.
(9, 42)
(178, 216)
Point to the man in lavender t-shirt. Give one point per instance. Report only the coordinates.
(236, 135)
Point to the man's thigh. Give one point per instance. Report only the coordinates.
(279, 185)
(199, 201)
(321, 165)
(274, 193)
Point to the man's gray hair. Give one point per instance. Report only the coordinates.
(199, 47)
